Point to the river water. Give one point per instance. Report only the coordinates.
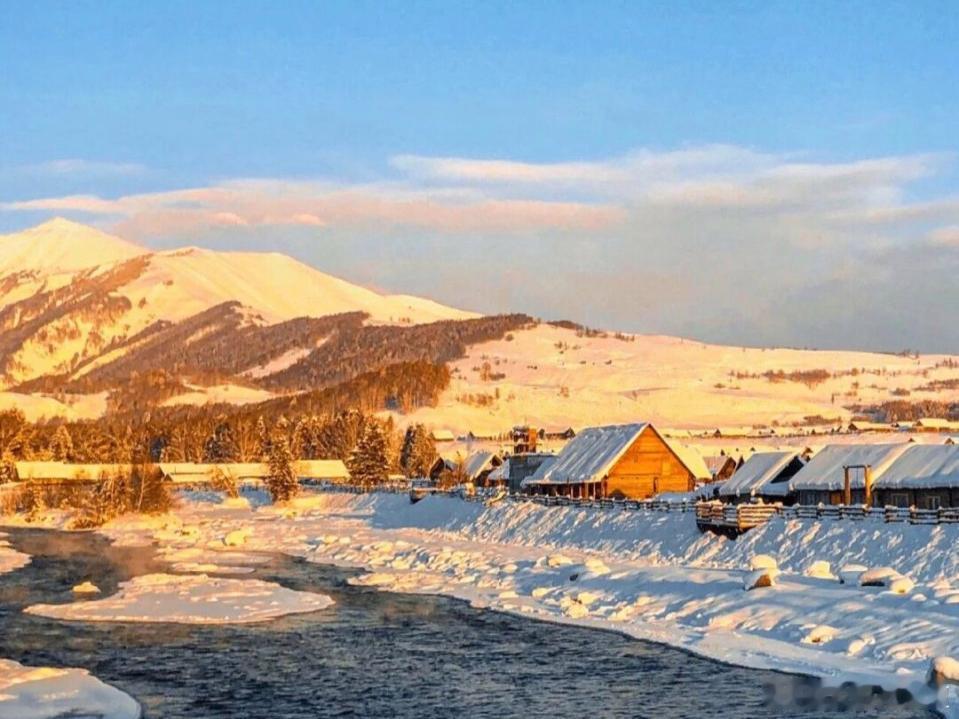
(376, 654)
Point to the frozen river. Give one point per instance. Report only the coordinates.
(376, 654)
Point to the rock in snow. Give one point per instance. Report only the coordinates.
(850, 573)
(44, 692)
(86, 588)
(878, 577)
(944, 670)
(820, 570)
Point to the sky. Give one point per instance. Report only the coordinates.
(755, 173)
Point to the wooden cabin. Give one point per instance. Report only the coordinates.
(721, 467)
(631, 461)
(844, 473)
(764, 476)
(924, 476)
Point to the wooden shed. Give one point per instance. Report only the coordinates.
(630, 461)
(924, 476)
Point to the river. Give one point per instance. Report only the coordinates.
(376, 654)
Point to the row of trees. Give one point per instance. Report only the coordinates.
(371, 447)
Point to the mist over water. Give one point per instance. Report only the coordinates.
(376, 654)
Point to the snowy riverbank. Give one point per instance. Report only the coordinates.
(41, 692)
(651, 576)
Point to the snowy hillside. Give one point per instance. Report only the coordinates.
(551, 376)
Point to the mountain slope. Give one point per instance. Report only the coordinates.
(70, 293)
(60, 246)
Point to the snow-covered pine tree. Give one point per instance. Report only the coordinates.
(281, 480)
(418, 452)
(369, 463)
(61, 445)
(220, 446)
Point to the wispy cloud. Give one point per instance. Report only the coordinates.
(77, 167)
(717, 241)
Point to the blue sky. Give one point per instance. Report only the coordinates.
(766, 150)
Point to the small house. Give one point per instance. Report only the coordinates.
(924, 476)
(442, 466)
(765, 475)
(844, 473)
(721, 467)
(935, 424)
(442, 435)
(478, 465)
(631, 461)
(64, 472)
(323, 470)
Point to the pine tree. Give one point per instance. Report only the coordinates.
(418, 452)
(61, 445)
(281, 480)
(220, 446)
(263, 438)
(369, 463)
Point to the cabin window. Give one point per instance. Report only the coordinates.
(899, 499)
(931, 502)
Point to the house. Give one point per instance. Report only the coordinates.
(480, 436)
(557, 433)
(721, 467)
(924, 476)
(935, 424)
(442, 466)
(867, 426)
(443, 435)
(523, 467)
(56, 472)
(620, 461)
(765, 475)
(844, 473)
(323, 470)
(478, 465)
(691, 457)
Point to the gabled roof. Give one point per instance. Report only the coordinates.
(922, 465)
(716, 462)
(691, 458)
(499, 474)
(825, 470)
(537, 476)
(590, 455)
(757, 473)
(478, 462)
(442, 435)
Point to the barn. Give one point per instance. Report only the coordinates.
(765, 475)
(630, 461)
(823, 479)
(924, 476)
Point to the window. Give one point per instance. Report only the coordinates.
(931, 502)
(899, 499)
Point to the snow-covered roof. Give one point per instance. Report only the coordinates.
(478, 462)
(825, 470)
(537, 476)
(716, 462)
(443, 435)
(690, 457)
(922, 465)
(66, 471)
(867, 426)
(757, 473)
(499, 474)
(589, 455)
(935, 423)
(322, 469)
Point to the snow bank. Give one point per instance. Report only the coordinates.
(10, 558)
(43, 692)
(189, 599)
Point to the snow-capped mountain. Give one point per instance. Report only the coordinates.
(71, 294)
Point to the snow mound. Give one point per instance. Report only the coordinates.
(820, 570)
(44, 692)
(238, 537)
(763, 561)
(760, 578)
(944, 670)
(86, 588)
(850, 573)
(189, 599)
(820, 634)
(878, 577)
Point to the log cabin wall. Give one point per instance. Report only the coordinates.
(648, 467)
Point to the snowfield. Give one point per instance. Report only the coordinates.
(189, 599)
(652, 576)
(44, 692)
